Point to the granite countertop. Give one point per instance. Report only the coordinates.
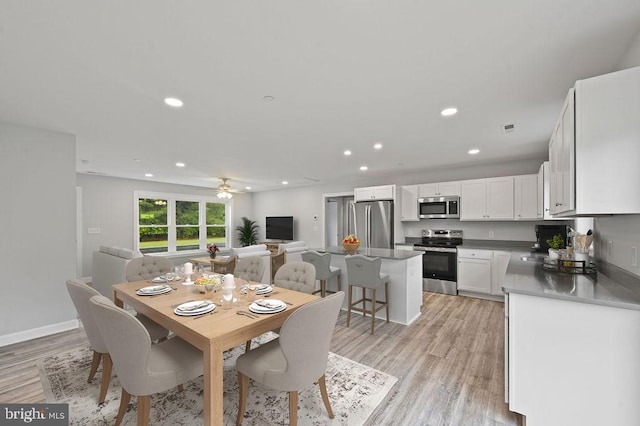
(611, 286)
(373, 252)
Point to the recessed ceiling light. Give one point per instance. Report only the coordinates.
(449, 111)
(378, 146)
(247, 187)
(474, 151)
(174, 102)
(364, 168)
(347, 152)
(268, 98)
(180, 164)
(148, 175)
(284, 182)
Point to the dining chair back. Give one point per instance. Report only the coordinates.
(298, 276)
(295, 360)
(143, 368)
(324, 270)
(250, 268)
(364, 272)
(80, 294)
(147, 267)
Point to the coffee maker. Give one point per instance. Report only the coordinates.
(546, 232)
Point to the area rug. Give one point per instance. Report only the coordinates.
(355, 390)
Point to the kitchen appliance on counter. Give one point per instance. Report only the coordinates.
(546, 232)
(439, 207)
(439, 260)
(373, 223)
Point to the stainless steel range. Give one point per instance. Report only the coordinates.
(439, 259)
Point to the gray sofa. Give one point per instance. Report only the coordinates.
(109, 265)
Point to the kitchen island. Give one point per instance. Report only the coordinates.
(405, 280)
(572, 344)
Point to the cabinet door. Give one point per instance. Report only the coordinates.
(383, 192)
(449, 188)
(473, 200)
(526, 197)
(568, 160)
(427, 190)
(541, 188)
(474, 275)
(500, 198)
(409, 202)
(499, 271)
(362, 194)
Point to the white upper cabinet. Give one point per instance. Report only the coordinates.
(409, 203)
(525, 203)
(372, 193)
(487, 199)
(440, 189)
(594, 171)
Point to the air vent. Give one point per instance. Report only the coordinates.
(509, 128)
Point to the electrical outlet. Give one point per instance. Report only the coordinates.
(491, 234)
(609, 248)
(634, 257)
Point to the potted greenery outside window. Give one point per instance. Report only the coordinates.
(556, 243)
(247, 232)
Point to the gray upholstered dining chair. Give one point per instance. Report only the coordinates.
(364, 272)
(324, 270)
(147, 267)
(298, 276)
(143, 368)
(80, 294)
(295, 360)
(250, 268)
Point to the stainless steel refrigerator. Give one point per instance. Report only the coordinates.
(372, 222)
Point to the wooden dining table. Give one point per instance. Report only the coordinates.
(212, 333)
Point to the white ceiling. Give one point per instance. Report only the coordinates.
(345, 74)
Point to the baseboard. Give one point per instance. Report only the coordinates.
(34, 333)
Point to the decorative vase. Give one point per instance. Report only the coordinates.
(350, 248)
(553, 254)
(212, 254)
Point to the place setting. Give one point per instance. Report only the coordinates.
(194, 308)
(261, 289)
(267, 306)
(153, 290)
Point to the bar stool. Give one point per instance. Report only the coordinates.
(364, 272)
(324, 270)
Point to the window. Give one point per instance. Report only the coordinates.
(168, 223)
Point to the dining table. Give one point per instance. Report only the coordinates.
(212, 333)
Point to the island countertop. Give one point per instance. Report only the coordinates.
(611, 286)
(372, 252)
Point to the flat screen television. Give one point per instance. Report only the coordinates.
(279, 227)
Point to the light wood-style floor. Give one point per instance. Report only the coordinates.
(449, 363)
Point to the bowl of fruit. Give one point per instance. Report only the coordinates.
(350, 243)
(208, 283)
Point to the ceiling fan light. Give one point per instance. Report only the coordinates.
(225, 195)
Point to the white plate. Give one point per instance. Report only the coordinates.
(278, 306)
(161, 279)
(153, 290)
(205, 309)
(265, 290)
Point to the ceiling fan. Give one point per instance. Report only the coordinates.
(224, 190)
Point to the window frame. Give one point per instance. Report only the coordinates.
(171, 219)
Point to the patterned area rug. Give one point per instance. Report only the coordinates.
(355, 390)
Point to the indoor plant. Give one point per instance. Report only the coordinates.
(555, 244)
(247, 232)
(212, 249)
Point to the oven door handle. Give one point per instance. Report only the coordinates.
(435, 249)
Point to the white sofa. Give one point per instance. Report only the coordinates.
(293, 251)
(256, 250)
(109, 266)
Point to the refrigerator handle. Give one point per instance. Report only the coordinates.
(368, 226)
(352, 225)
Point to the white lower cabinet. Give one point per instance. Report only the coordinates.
(572, 363)
(482, 272)
(474, 270)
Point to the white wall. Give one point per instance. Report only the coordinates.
(632, 56)
(108, 204)
(38, 244)
(305, 203)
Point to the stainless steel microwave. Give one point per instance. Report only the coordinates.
(439, 207)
